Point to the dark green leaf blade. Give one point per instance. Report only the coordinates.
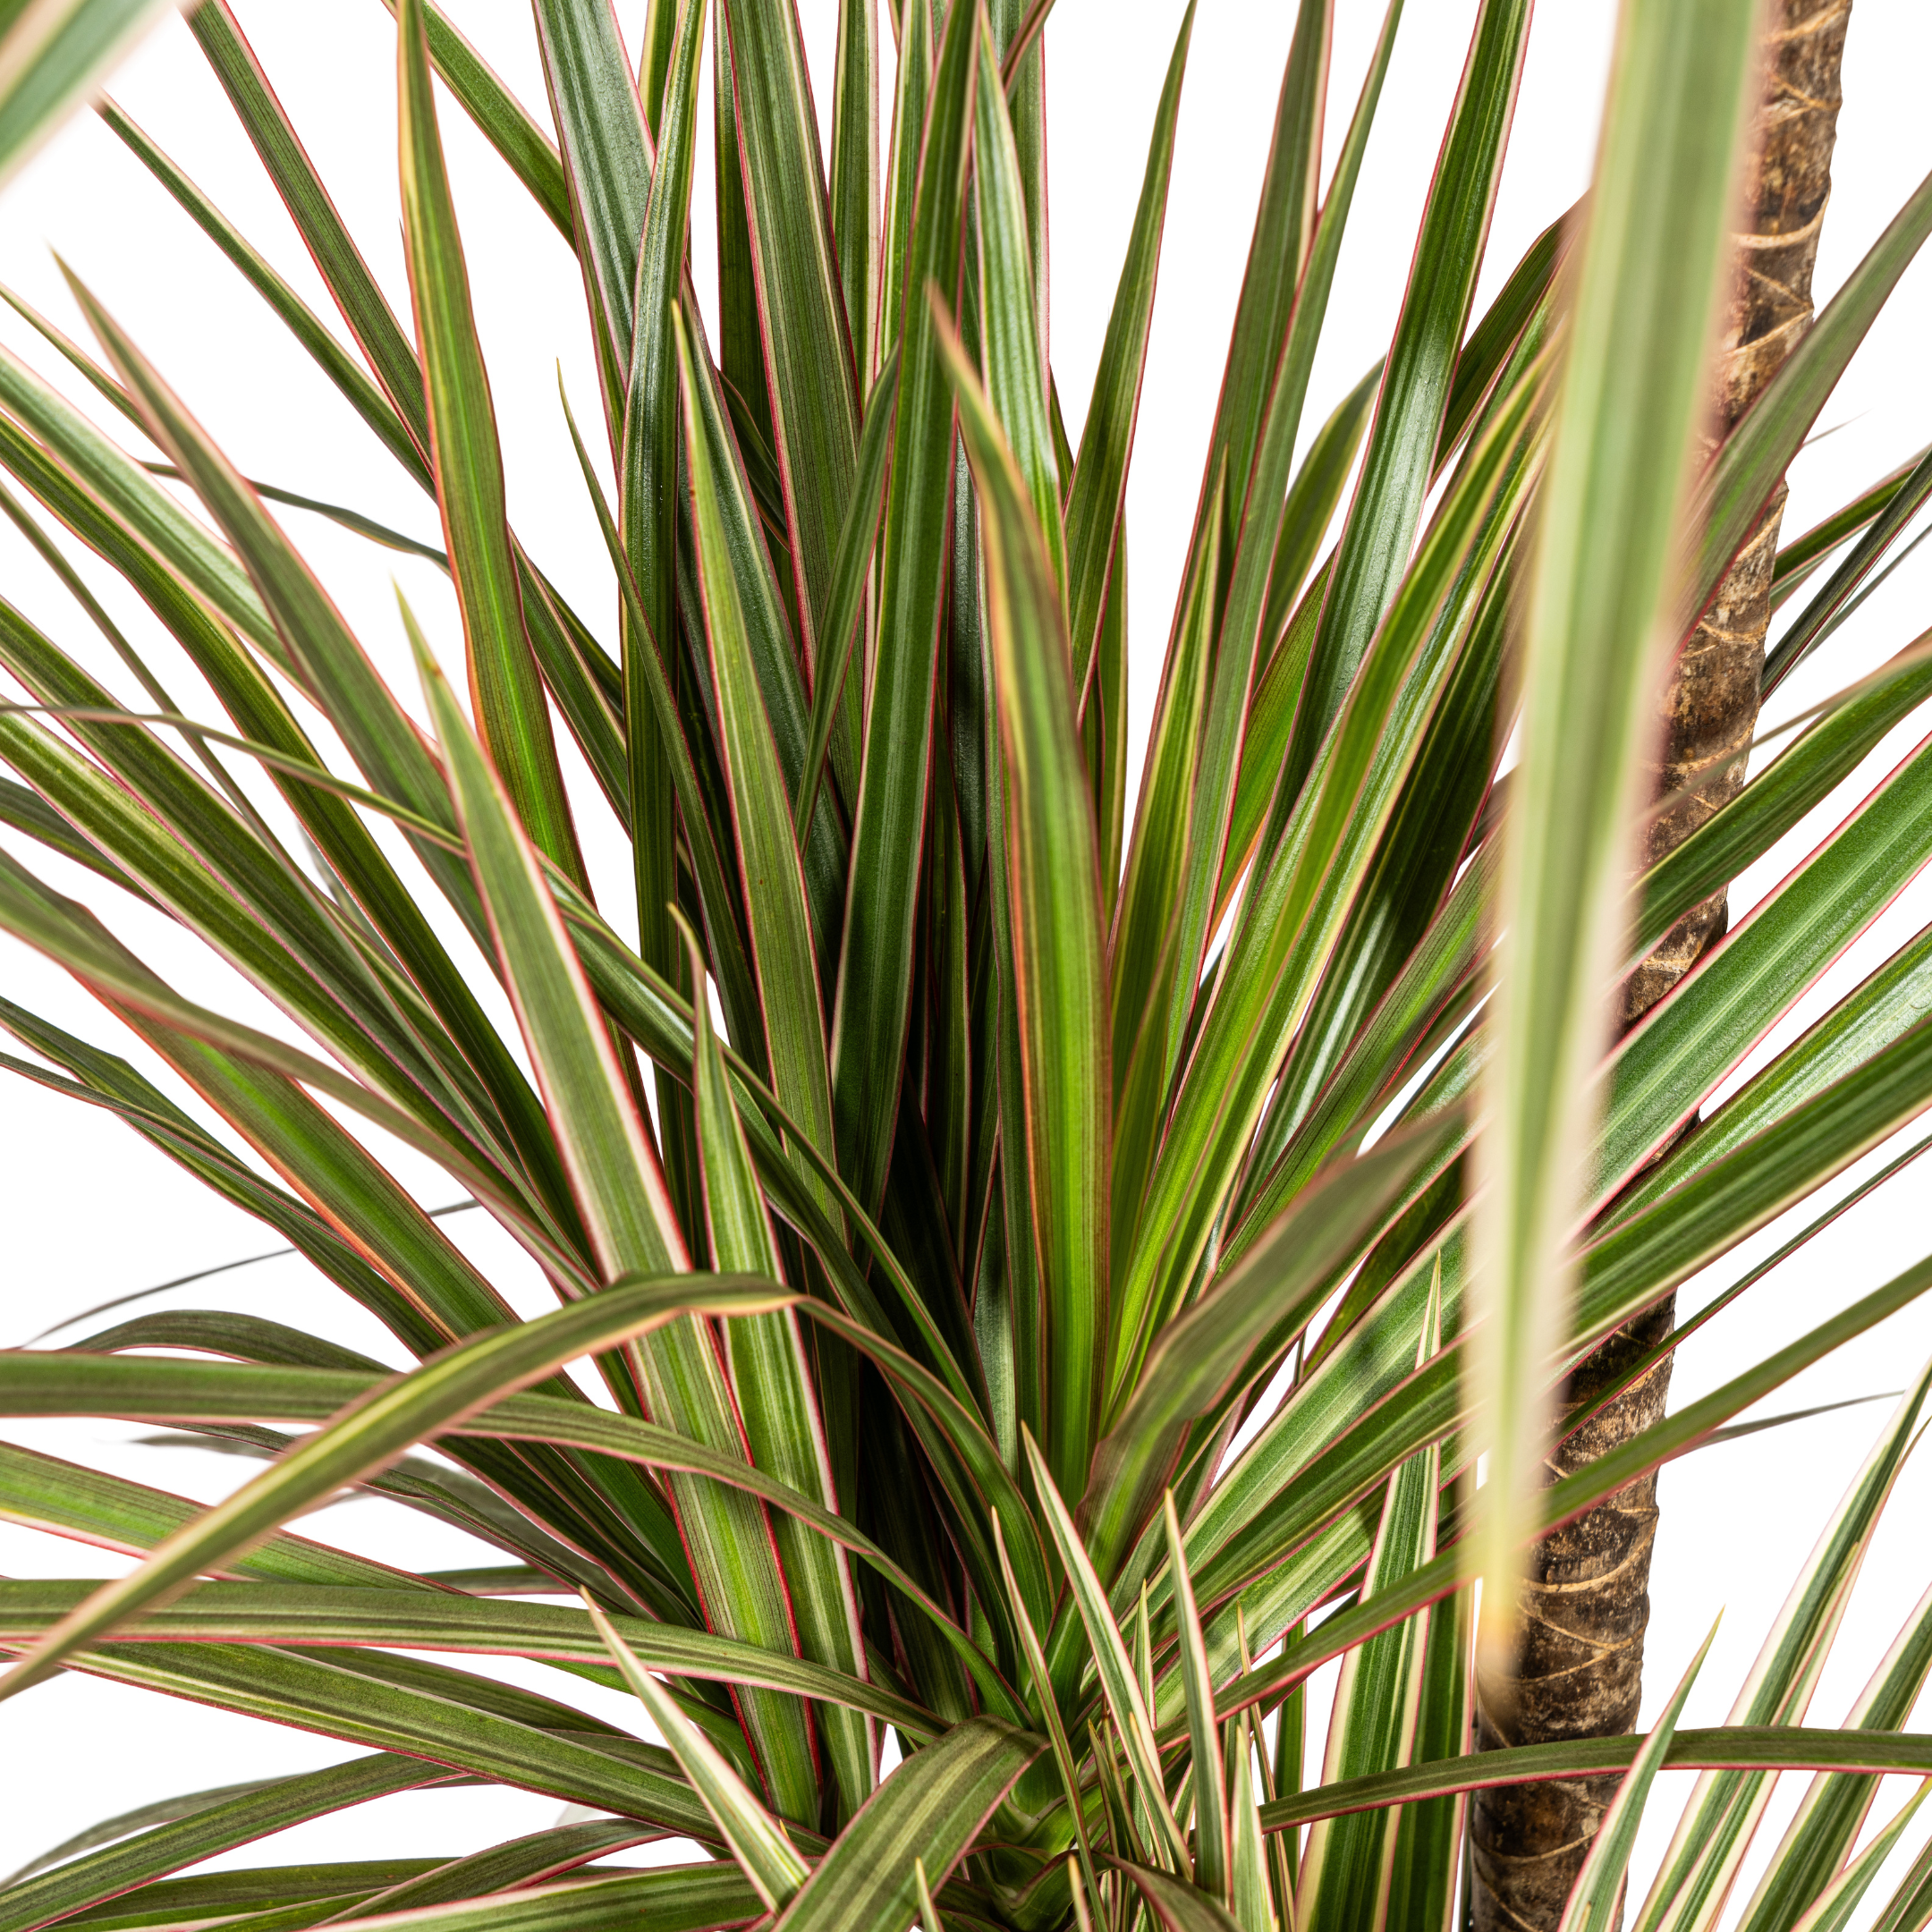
(876, 955)
(1058, 934)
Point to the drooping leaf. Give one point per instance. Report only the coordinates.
(464, 1380)
(160, 1838)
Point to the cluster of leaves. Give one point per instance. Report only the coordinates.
(1034, 1324)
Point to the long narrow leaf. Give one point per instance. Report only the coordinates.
(1057, 936)
(375, 1431)
(1600, 614)
(509, 698)
(763, 1854)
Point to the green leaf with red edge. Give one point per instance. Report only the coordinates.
(135, 500)
(733, 546)
(678, 1898)
(1570, 1497)
(911, 97)
(1041, 1682)
(502, 120)
(1239, 642)
(420, 1710)
(756, 1841)
(932, 1807)
(1740, 1748)
(339, 1176)
(1348, 1423)
(1059, 937)
(384, 738)
(1282, 1280)
(1835, 601)
(853, 187)
(1294, 909)
(1389, 498)
(833, 709)
(1144, 958)
(1519, 310)
(660, 1019)
(782, 946)
(42, 1491)
(619, 1186)
(1343, 1872)
(1714, 1831)
(1763, 964)
(1284, 646)
(1278, 256)
(1832, 1814)
(148, 1388)
(1098, 486)
(1012, 354)
(331, 993)
(514, 1866)
(1214, 1859)
(362, 1615)
(582, 679)
(364, 394)
(1178, 1907)
(374, 1431)
(1435, 980)
(1746, 826)
(1126, 1699)
(50, 58)
(381, 338)
(778, 1403)
(621, 1194)
(814, 385)
(608, 160)
(1732, 494)
(1799, 558)
(869, 1025)
(651, 463)
(718, 892)
(512, 711)
(219, 1822)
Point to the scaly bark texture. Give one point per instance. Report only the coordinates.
(1580, 1671)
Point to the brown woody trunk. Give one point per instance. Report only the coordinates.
(1579, 1671)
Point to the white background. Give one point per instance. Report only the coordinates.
(92, 1213)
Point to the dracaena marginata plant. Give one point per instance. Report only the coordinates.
(1048, 1279)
